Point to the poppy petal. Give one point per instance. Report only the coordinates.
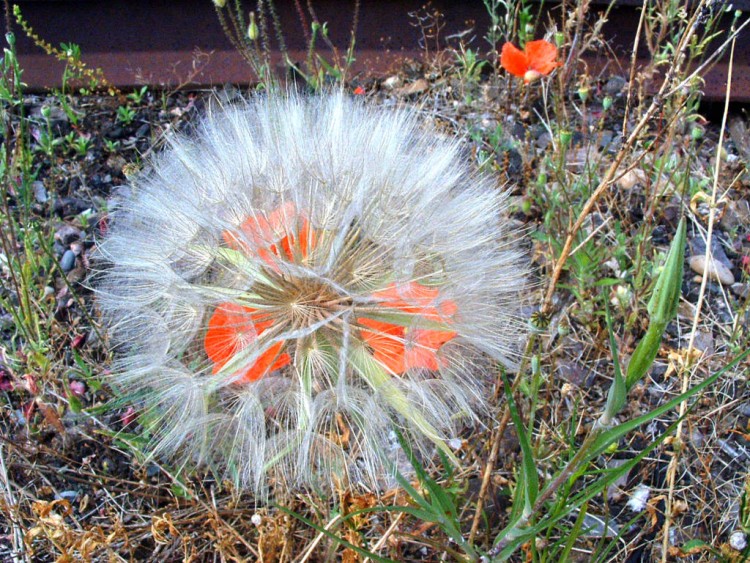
(514, 60)
(416, 299)
(268, 361)
(387, 343)
(542, 56)
(231, 328)
(228, 325)
(426, 343)
(263, 230)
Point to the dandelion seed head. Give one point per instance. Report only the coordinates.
(298, 278)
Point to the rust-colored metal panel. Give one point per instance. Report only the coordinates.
(158, 42)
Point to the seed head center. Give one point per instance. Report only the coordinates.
(305, 301)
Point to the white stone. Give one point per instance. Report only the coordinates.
(716, 270)
(738, 540)
(639, 498)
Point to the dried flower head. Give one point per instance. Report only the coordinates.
(298, 278)
(536, 60)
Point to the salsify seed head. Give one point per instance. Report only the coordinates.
(298, 278)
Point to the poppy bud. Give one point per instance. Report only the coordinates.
(531, 76)
(252, 29)
(607, 103)
(565, 138)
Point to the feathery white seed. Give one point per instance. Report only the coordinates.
(344, 244)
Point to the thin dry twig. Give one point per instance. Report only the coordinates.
(625, 149)
(19, 547)
(687, 368)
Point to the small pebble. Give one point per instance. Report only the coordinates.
(392, 82)
(738, 540)
(417, 87)
(116, 163)
(68, 261)
(615, 85)
(716, 270)
(68, 234)
(68, 495)
(736, 215)
(78, 388)
(40, 192)
(631, 178)
(704, 341)
(76, 248)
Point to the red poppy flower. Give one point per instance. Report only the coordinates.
(269, 236)
(231, 328)
(536, 60)
(399, 348)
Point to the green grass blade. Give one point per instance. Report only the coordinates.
(528, 466)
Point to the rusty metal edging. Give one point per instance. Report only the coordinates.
(169, 42)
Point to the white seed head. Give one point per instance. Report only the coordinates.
(298, 278)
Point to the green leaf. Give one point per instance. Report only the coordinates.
(607, 437)
(515, 537)
(528, 466)
(662, 308)
(180, 490)
(666, 297)
(618, 390)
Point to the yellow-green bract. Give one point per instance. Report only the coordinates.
(662, 308)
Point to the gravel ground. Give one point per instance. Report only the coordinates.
(73, 478)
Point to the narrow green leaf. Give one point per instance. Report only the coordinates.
(666, 297)
(618, 391)
(645, 353)
(531, 479)
(515, 537)
(574, 532)
(607, 437)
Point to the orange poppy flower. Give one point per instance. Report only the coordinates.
(231, 328)
(415, 298)
(270, 236)
(536, 60)
(391, 346)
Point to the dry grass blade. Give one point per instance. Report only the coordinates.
(688, 369)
